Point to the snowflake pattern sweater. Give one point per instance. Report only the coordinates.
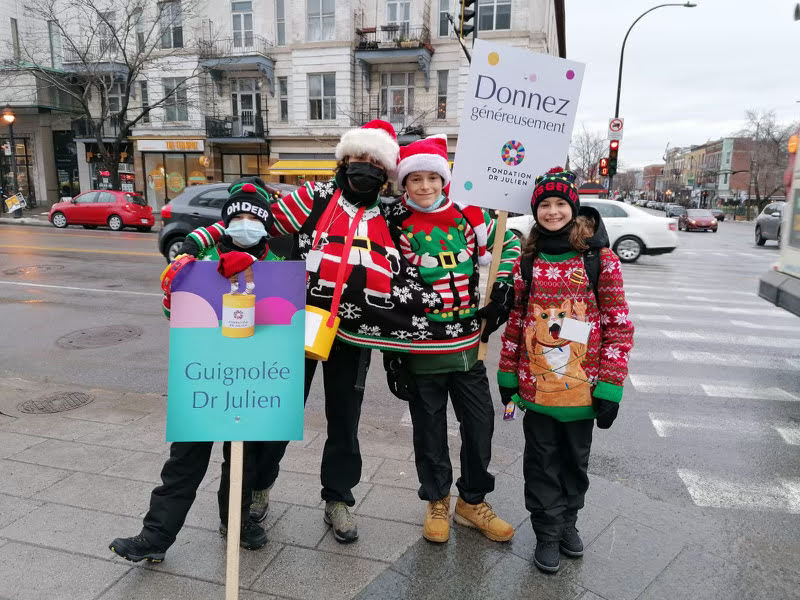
(556, 376)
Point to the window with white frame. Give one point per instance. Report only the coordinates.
(322, 96)
(141, 33)
(145, 101)
(54, 33)
(280, 22)
(441, 95)
(242, 16)
(176, 104)
(494, 14)
(114, 97)
(444, 22)
(397, 97)
(246, 102)
(171, 23)
(321, 20)
(398, 12)
(283, 96)
(105, 32)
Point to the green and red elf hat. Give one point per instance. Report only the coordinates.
(248, 195)
(559, 183)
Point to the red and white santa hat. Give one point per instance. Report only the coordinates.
(429, 154)
(377, 139)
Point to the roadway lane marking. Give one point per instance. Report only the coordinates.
(665, 384)
(749, 325)
(691, 290)
(128, 252)
(733, 340)
(79, 289)
(719, 254)
(667, 425)
(737, 360)
(790, 435)
(768, 309)
(748, 393)
(123, 236)
(716, 492)
(653, 318)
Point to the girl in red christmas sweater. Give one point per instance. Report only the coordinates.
(564, 357)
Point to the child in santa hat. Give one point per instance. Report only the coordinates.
(442, 246)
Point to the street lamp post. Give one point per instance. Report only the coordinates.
(9, 118)
(622, 56)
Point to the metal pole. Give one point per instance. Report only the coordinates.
(621, 58)
(14, 171)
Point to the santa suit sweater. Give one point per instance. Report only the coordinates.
(555, 376)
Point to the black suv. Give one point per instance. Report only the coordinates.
(197, 206)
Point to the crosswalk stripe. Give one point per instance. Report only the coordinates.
(667, 384)
(716, 492)
(737, 360)
(721, 291)
(749, 325)
(763, 309)
(719, 338)
(653, 318)
(666, 425)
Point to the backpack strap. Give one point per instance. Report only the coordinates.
(591, 261)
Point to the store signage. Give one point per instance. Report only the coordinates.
(171, 145)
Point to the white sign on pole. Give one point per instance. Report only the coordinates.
(517, 122)
(615, 128)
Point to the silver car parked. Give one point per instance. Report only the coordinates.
(768, 223)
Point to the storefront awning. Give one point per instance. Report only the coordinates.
(303, 168)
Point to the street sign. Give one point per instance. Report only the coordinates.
(615, 128)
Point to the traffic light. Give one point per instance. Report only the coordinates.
(465, 16)
(613, 150)
(604, 167)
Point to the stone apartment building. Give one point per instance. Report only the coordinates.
(276, 82)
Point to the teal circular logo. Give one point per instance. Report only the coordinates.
(468, 185)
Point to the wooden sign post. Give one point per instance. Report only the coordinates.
(497, 250)
(234, 521)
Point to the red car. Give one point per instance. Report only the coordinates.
(104, 207)
(697, 219)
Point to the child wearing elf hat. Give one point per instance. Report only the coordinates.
(564, 357)
(246, 217)
(442, 246)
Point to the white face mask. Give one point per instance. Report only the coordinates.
(246, 232)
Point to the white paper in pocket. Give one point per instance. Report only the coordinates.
(313, 260)
(575, 331)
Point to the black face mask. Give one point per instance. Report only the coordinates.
(365, 177)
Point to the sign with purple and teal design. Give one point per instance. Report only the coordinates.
(516, 124)
(226, 387)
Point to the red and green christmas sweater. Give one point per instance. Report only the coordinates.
(556, 376)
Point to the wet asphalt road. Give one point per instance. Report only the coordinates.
(711, 414)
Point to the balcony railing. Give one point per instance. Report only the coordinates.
(403, 118)
(246, 44)
(247, 125)
(96, 52)
(88, 128)
(392, 36)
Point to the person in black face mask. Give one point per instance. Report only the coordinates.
(361, 179)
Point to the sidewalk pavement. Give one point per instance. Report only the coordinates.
(37, 218)
(74, 480)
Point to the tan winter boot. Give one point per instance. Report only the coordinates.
(482, 517)
(437, 521)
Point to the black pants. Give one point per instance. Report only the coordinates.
(341, 457)
(472, 403)
(555, 469)
(181, 476)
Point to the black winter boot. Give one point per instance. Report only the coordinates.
(571, 543)
(137, 548)
(546, 557)
(251, 537)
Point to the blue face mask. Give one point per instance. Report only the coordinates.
(245, 232)
(439, 201)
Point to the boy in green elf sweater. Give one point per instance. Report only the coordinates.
(442, 246)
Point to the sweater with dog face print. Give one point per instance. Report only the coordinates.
(556, 376)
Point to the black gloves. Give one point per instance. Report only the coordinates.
(507, 394)
(399, 376)
(606, 412)
(190, 247)
(496, 312)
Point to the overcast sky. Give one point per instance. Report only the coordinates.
(689, 73)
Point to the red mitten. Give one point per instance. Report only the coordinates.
(234, 262)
